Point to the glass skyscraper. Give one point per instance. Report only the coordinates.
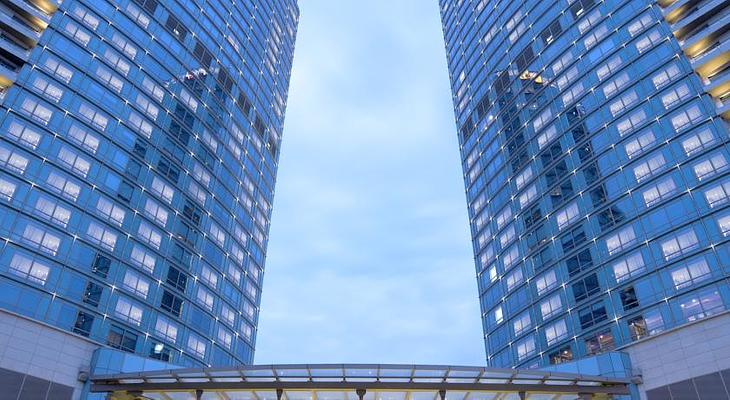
(596, 169)
(139, 142)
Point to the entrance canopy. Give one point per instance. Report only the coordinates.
(356, 382)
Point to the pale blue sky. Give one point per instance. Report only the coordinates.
(369, 256)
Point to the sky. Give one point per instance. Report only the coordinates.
(369, 257)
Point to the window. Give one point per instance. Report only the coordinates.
(73, 161)
(140, 124)
(609, 68)
(546, 282)
(504, 217)
(497, 315)
(649, 167)
(41, 239)
(563, 355)
(592, 315)
(594, 37)
(128, 311)
(600, 342)
(507, 236)
(155, 211)
(162, 189)
(57, 68)
(556, 332)
(572, 239)
(86, 17)
(12, 159)
(47, 89)
(510, 257)
(201, 175)
(7, 189)
(724, 224)
(149, 235)
(573, 93)
(528, 196)
(675, 95)
(153, 89)
(136, 284)
(225, 337)
(514, 279)
(78, 33)
(93, 116)
(551, 32)
(545, 138)
(123, 45)
(101, 265)
(525, 348)
(83, 324)
(188, 99)
(624, 102)
(137, 15)
(523, 177)
(640, 24)
(586, 23)
(92, 294)
(710, 166)
(698, 141)
(680, 244)
(567, 215)
(171, 303)
(690, 273)
(110, 211)
(615, 85)
(209, 277)
(638, 145)
(36, 111)
(62, 185)
(228, 315)
(197, 192)
(685, 118)
(120, 338)
(83, 138)
(147, 107)
(217, 233)
(166, 329)
(51, 210)
(522, 323)
(665, 76)
(29, 269)
(117, 62)
(542, 119)
(196, 346)
(586, 288)
(205, 298)
(648, 41)
(102, 236)
(142, 258)
(628, 298)
(578, 7)
(109, 79)
(660, 191)
(551, 306)
(24, 134)
(718, 195)
(177, 278)
(632, 265)
(698, 306)
(631, 122)
(621, 240)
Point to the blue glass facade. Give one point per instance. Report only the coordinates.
(139, 142)
(596, 174)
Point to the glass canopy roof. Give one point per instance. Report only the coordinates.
(356, 382)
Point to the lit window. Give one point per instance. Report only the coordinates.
(166, 329)
(156, 212)
(648, 41)
(188, 99)
(123, 45)
(514, 279)
(586, 23)
(615, 85)
(228, 315)
(565, 79)
(7, 189)
(41, 239)
(507, 236)
(659, 191)
(546, 282)
(205, 298)
(555, 332)
(638, 145)
(129, 311)
(568, 215)
(83, 138)
(624, 102)
(698, 141)
(47, 89)
(525, 348)
(246, 330)
(621, 240)
(153, 89)
(62, 185)
(143, 258)
(718, 195)
(147, 107)
(55, 66)
(217, 233)
(51, 210)
(573, 93)
(551, 306)
(201, 174)
(24, 134)
(564, 60)
(93, 116)
(111, 80)
(594, 37)
(136, 284)
(137, 15)
(504, 217)
(209, 277)
(196, 346)
(497, 315)
(665, 76)
(102, 236)
(545, 138)
(528, 196)
(640, 24)
(675, 95)
(609, 68)
(710, 167)
(523, 177)
(522, 323)
(234, 274)
(162, 189)
(701, 305)
(631, 122)
(77, 33)
(149, 235)
(117, 62)
(86, 17)
(36, 111)
(197, 192)
(649, 167)
(724, 225)
(680, 244)
(110, 211)
(686, 118)
(29, 269)
(73, 161)
(690, 273)
(629, 266)
(511, 256)
(224, 337)
(542, 119)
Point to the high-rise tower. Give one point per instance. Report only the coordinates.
(139, 142)
(596, 172)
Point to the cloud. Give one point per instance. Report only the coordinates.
(369, 255)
